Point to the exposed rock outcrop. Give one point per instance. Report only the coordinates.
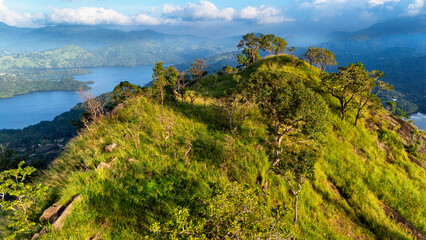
(110, 147)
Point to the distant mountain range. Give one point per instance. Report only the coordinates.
(20, 40)
(69, 46)
(398, 26)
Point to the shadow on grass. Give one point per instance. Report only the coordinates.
(204, 114)
(358, 217)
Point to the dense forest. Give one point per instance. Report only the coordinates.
(277, 149)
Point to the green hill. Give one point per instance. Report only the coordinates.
(181, 173)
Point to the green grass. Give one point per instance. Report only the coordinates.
(353, 176)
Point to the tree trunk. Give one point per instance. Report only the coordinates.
(357, 116)
(295, 208)
(342, 109)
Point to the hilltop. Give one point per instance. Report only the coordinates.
(150, 172)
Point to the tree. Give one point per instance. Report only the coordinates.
(94, 113)
(165, 82)
(352, 83)
(291, 50)
(229, 70)
(22, 199)
(125, 90)
(250, 45)
(8, 158)
(236, 212)
(320, 56)
(296, 167)
(197, 67)
(289, 106)
(173, 83)
(310, 55)
(159, 81)
(279, 45)
(365, 95)
(291, 109)
(227, 105)
(267, 43)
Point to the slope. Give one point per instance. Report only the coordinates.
(171, 169)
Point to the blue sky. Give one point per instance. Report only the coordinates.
(225, 17)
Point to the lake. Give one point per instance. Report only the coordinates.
(24, 110)
(419, 120)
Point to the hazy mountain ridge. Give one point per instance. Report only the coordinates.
(21, 40)
(392, 27)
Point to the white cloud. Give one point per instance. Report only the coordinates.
(88, 16)
(14, 18)
(144, 19)
(263, 14)
(204, 10)
(374, 3)
(415, 7)
(94, 16)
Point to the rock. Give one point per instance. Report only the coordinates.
(265, 186)
(38, 235)
(43, 231)
(52, 213)
(35, 237)
(110, 147)
(131, 160)
(103, 165)
(59, 223)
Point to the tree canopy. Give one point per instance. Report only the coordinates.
(351, 84)
(320, 57)
(251, 44)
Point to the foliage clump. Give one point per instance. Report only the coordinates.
(19, 197)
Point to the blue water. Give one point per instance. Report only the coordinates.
(419, 120)
(24, 110)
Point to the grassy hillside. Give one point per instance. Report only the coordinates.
(369, 180)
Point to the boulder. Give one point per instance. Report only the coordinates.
(35, 237)
(59, 223)
(38, 235)
(52, 213)
(103, 165)
(110, 147)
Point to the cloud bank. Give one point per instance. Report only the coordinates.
(166, 14)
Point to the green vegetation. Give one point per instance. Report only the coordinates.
(261, 153)
(251, 44)
(21, 82)
(320, 57)
(12, 183)
(127, 54)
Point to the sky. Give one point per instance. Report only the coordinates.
(211, 18)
